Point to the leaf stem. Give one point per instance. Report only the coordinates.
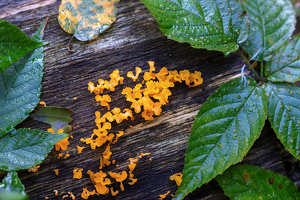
(261, 69)
(69, 44)
(46, 21)
(249, 65)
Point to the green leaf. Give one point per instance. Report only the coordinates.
(57, 117)
(223, 132)
(248, 182)
(213, 25)
(12, 196)
(284, 115)
(285, 64)
(296, 5)
(87, 19)
(14, 44)
(12, 183)
(272, 24)
(25, 148)
(20, 87)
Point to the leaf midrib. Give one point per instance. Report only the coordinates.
(28, 145)
(264, 30)
(8, 90)
(232, 120)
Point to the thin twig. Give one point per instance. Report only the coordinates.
(46, 21)
(249, 65)
(69, 44)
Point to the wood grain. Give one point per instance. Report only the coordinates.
(133, 40)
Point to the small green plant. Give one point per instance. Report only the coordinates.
(232, 118)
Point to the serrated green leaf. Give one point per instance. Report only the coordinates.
(246, 182)
(57, 117)
(20, 87)
(284, 115)
(87, 19)
(284, 66)
(213, 25)
(14, 44)
(223, 132)
(12, 183)
(12, 196)
(272, 24)
(25, 148)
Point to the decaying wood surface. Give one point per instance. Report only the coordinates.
(133, 40)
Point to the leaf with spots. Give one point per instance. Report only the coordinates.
(213, 25)
(14, 44)
(25, 148)
(285, 64)
(272, 24)
(223, 132)
(284, 115)
(12, 183)
(20, 87)
(245, 182)
(87, 19)
(57, 117)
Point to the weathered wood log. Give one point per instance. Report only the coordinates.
(133, 40)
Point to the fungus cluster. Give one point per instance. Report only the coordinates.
(147, 98)
(156, 91)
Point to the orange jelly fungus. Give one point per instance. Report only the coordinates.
(149, 75)
(118, 135)
(163, 196)
(60, 155)
(131, 167)
(72, 196)
(79, 149)
(75, 98)
(67, 155)
(65, 196)
(85, 194)
(137, 72)
(115, 79)
(112, 192)
(100, 181)
(50, 130)
(133, 180)
(34, 169)
(56, 171)
(177, 178)
(63, 144)
(144, 154)
(120, 177)
(42, 103)
(77, 173)
(55, 192)
(60, 131)
(104, 100)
